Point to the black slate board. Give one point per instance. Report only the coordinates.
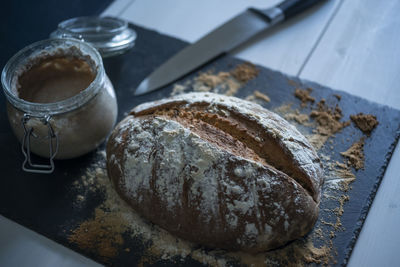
(44, 203)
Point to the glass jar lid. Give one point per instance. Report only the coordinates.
(110, 36)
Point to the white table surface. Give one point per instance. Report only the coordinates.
(350, 45)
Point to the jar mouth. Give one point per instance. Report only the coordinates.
(92, 26)
(41, 48)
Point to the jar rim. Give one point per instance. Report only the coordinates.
(58, 107)
(71, 25)
(109, 35)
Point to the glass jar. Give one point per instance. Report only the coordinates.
(110, 36)
(65, 128)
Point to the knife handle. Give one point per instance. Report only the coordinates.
(290, 8)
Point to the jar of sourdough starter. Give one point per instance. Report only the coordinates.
(60, 102)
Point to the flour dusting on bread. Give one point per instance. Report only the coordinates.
(203, 190)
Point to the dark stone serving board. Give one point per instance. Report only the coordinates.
(44, 203)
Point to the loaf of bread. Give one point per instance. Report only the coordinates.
(216, 170)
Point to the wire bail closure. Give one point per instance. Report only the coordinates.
(27, 165)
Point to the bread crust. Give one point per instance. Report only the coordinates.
(216, 170)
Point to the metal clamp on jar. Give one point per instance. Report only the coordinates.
(60, 102)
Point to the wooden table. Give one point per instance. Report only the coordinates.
(350, 45)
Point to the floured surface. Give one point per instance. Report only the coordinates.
(321, 122)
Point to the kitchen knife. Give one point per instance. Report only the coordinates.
(221, 40)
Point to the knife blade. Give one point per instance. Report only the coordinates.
(221, 40)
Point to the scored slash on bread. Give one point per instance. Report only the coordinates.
(217, 170)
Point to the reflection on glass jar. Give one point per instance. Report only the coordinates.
(61, 103)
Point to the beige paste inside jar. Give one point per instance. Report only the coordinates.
(56, 77)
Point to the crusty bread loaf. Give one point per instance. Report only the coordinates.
(216, 170)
